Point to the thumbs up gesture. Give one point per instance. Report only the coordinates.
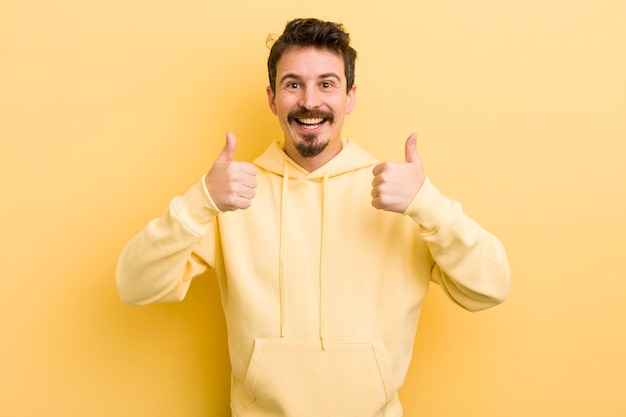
(230, 183)
(395, 184)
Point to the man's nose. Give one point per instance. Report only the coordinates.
(310, 98)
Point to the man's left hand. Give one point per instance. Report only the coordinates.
(395, 184)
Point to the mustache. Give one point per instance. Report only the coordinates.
(310, 114)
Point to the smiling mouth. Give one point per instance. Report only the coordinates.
(310, 123)
(310, 120)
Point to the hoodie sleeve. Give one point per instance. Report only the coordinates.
(471, 265)
(157, 264)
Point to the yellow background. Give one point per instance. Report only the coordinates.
(108, 108)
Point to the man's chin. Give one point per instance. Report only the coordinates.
(310, 146)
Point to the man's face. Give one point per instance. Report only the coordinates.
(311, 102)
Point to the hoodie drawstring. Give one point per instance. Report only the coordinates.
(281, 256)
(281, 251)
(276, 161)
(323, 263)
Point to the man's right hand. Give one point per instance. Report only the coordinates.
(230, 183)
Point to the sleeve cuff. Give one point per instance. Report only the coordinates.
(429, 207)
(196, 208)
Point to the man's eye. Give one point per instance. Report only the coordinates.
(293, 85)
(327, 84)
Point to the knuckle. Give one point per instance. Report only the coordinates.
(231, 189)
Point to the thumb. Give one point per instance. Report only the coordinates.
(229, 148)
(410, 149)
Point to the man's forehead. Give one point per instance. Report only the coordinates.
(301, 61)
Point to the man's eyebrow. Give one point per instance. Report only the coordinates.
(288, 76)
(331, 75)
(293, 76)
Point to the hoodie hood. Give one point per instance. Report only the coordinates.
(351, 157)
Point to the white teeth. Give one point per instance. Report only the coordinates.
(311, 121)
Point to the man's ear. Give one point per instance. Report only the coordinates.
(351, 99)
(271, 99)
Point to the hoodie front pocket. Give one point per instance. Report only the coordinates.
(296, 378)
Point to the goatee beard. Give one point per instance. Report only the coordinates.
(310, 146)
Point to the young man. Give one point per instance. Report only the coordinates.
(323, 254)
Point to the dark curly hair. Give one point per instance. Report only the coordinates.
(302, 33)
